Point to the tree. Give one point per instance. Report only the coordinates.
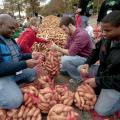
(33, 6)
(13, 6)
(54, 7)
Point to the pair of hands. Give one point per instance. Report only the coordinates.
(36, 59)
(84, 74)
(54, 47)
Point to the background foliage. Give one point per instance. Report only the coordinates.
(34, 6)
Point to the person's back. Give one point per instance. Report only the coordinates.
(79, 43)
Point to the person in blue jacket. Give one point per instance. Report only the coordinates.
(15, 68)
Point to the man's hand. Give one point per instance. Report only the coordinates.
(31, 63)
(91, 82)
(84, 70)
(36, 55)
(55, 47)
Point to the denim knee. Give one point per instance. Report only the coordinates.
(102, 112)
(65, 64)
(12, 102)
(78, 68)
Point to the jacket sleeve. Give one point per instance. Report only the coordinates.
(101, 12)
(26, 56)
(109, 82)
(11, 68)
(95, 54)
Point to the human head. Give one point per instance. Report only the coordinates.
(7, 25)
(67, 24)
(34, 23)
(111, 25)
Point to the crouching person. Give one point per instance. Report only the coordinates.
(14, 67)
(77, 48)
(107, 79)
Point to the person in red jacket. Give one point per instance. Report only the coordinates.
(28, 37)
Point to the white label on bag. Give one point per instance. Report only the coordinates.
(19, 72)
(109, 11)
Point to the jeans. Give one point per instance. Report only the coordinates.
(69, 64)
(10, 93)
(108, 102)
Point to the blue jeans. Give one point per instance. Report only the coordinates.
(108, 102)
(69, 64)
(10, 93)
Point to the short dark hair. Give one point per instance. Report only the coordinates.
(112, 18)
(66, 21)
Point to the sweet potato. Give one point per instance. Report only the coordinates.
(90, 89)
(26, 112)
(39, 117)
(30, 113)
(36, 112)
(21, 111)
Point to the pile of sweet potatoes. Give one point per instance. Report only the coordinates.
(85, 97)
(62, 112)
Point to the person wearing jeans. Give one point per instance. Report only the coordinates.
(11, 95)
(107, 79)
(77, 48)
(15, 68)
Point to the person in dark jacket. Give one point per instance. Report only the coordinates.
(85, 9)
(14, 67)
(82, 6)
(108, 75)
(107, 7)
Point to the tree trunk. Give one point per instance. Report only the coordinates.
(19, 11)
